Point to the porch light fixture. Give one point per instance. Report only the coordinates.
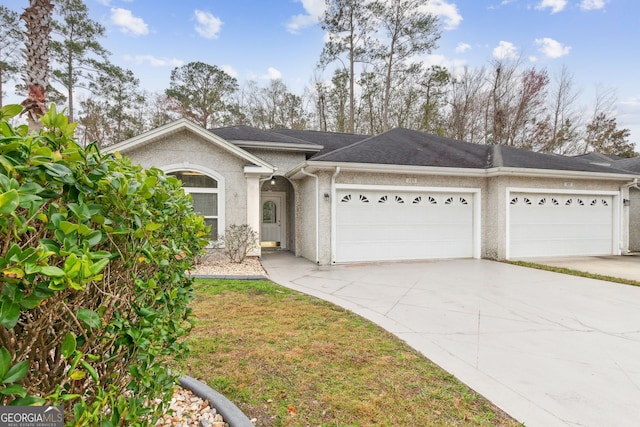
(326, 197)
(273, 181)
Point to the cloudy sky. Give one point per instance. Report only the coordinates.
(598, 41)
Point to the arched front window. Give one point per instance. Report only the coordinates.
(204, 193)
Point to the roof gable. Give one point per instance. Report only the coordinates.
(180, 125)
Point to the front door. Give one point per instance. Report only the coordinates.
(272, 229)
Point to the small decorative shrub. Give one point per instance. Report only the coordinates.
(239, 240)
(93, 253)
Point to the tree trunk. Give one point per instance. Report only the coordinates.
(37, 19)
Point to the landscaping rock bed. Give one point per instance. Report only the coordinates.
(189, 410)
(216, 264)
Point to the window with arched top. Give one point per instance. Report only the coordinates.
(204, 192)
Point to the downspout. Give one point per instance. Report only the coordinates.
(304, 172)
(333, 214)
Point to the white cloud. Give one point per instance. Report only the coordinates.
(230, 70)
(455, 67)
(272, 74)
(208, 25)
(314, 11)
(155, 62)
(505, 50)
(555, 5)
(462, 47)
(128, 23)
(592, 4)
(552, 48)
(445, 11)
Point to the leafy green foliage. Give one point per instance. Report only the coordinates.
(92, 272)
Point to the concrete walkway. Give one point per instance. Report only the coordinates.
(549, 349)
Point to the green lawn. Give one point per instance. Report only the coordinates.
(288, 359)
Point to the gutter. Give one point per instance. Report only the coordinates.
(302, 171)
(632, 184)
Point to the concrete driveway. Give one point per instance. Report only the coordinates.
(549, 349)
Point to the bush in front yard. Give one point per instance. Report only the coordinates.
(92, 269)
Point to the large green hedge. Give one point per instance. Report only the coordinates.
(94, 293)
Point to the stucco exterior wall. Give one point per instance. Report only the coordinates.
(284, 161)
(183, 148)
(305, 223)
(634, 220)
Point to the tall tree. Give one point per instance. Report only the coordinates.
(338, 98)
(349, 27)
(203, 92)
(37, 19)
(465, 114)
(10, 40)
(77, 48)
(114, 117)
(407, 31)
(564, 118)
(434, 83)
(273, 106)
(603, 136)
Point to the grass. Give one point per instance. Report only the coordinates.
(288, 359)
(575, 273)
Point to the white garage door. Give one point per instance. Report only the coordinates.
(560, 225)
(403, 225)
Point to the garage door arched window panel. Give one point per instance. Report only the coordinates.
(560, 223)
(204, 191)
(404, 223)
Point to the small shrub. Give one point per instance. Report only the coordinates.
(239, 240)
(93, 253)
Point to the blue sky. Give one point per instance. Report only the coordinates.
(598, 41)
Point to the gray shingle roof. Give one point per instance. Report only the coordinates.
(331, 141)
(632, 164)
(248, 133)
(413, 148)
